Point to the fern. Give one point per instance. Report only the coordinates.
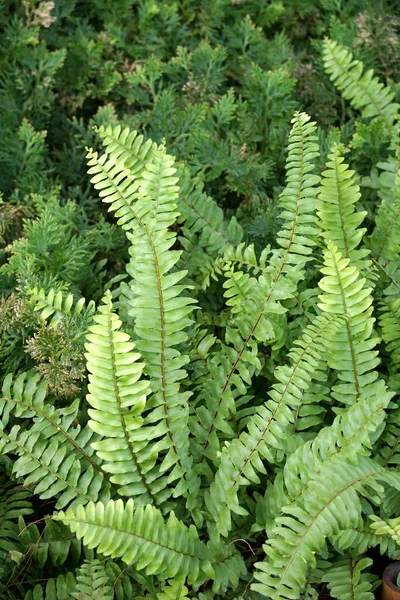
(91, 580)
(340, 222)
(332, 478)
(55, 589)
(352, 354)
(117, 395)
(147, 208)
(259, 302)
(54, 545)
(52, 456)
(140, 536)
(14, 504)
(268, 431)
(346, 581)
(363, 90)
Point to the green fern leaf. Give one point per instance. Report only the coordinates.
(363, 90)
(117, 395)
(340, 222)
(256, 304)
(54, 456)
(346, 580)
(55, 589)
(267, 431)
(92, 582)
(140, 536)
(352, 352)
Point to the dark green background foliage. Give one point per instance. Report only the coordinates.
(251, 415)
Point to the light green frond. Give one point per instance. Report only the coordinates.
(267, 432)
(352, 353)
(140, 536)
(360, 87)
(389, 527)
(144, 196)
(340, 222)
(346, 580)
(117, 395)
(127, 147)
(27, 391)
(92, 582)
(56, 305)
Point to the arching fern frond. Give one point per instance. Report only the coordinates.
(267, 431)
(364, 91)
(145, 202)
(346, 580)
(54, 545)
(140, 536)
(14, 504)
(319, 480)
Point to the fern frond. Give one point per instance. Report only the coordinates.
(173, 590)
(389, 321)
(92, 582)
(55, 457)
(346, 580)
(147, 207)
(389, 527)
(256, 310)
(267, 431)
(201, 215)
(340, 222)
(117, 395)
(362, 89)
(385, 239)
(140, 536)
(303, 528)
(28, 393)
(56, 305)
(319, 480)
(352, 352)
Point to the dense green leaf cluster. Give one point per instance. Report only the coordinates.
(199, 339)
